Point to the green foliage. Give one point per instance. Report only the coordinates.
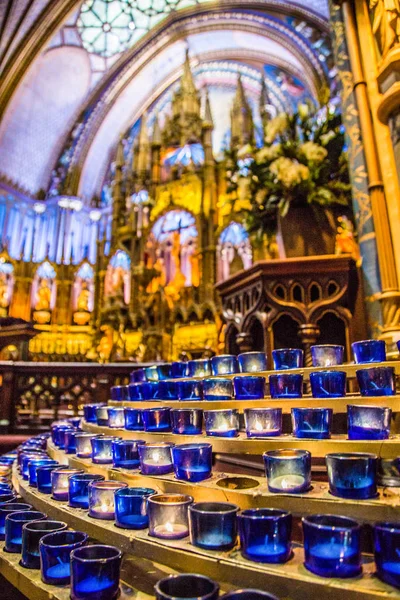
(303, 161)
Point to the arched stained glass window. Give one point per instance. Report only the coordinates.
(234, 251)
(108, 27)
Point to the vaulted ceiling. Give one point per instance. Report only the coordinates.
(68, 89)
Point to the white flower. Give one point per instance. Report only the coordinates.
(268, 153)
(303, 110)
(314, 152)
(289, 172)
(327, 137)
(275, 127)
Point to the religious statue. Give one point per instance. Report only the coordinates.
(386, 23)
(178, 281)
(345, 240)
(4, 296)
(84, 297)
(43, 296)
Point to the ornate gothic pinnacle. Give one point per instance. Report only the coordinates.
(119, 159)
(156, 137)
(207, 118)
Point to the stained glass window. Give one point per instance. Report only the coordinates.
(46, 271)
(175, 220)
(108, 27)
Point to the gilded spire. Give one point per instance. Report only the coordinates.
(119, 159)
(207, 117)
(142, 151)
(156, 137)
(264, 102)
(242, 128)
(187, 81)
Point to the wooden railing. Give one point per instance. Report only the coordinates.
(34, 394)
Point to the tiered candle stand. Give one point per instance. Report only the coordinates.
(289, 580)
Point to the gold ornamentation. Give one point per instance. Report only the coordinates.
(386, 23)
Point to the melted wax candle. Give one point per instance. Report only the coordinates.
(155, 459)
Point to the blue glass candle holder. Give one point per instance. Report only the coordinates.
(328, 384)
(157, 419)
(187, 421)
(252, 362)
(168, 389)
(156, 459)
(287, 358)
(119, 392)
(133, 419)
(95, 572)
(369, 351)
(78, 488)
(75, 421)
(168, 516)
(135, 391)
(131, 507)
(352, 475)
(102, 449)
(84, 445)
(58, 435)
(55, 549)
(288, 471)
(13, 528)
(286, 385)
(199, 368)
(60, 484)
(368, 422)
(179, 369)
(177, 586)
(7, 509)
(32, 533)
(164, 371)
(151, 373)
(263, 422)
(26, 458)
(126, 454)
(386, 551)
(376, 381)
(89, 412)
(312, 423)
(332, 546)
(218, 388)
(102, 500)
(149, 390)
(43, 478)
(7, 497)
(190, 389)
(116, 417)
(69, 441)
(249, 387)
(222, 423)
(34, 464)
(137, 376)
(192, 462)
(327, 355)
(248, 594)
(225, 364)
(265, 534)
(102, 416)
(213, 525)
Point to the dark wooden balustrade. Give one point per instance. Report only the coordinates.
(32, 395)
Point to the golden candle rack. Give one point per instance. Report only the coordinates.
(249, 491)
(230, 568)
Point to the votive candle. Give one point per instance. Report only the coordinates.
(251, 362)
(83, 445)
(133, 419)
(13, 528)
(386, 551)
(32, 533)
(78, 488)
(327, 355)
(102, 416)
(286, 385)
(312, 423)
(168, 516)
(368, 351)
(190, 389)
(155, 459)
(249, 387)
(177, 587)
(101, 498)
(126, 454)
(263, 422)
(352, 474)
(192, 462)
(200, 367)
(116, 417)
(102, 449)
(213, 525)
(377, 381)
(59, 482)
(187, 421)
(328, 384)
(55, 549)
(288, 471)
(368, 422)
(217, 388)
(222, 423)
(225, 364)
(157, 419)
(43, 478)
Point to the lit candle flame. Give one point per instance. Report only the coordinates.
(258, 426)
(169, 527)
(156, 456)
